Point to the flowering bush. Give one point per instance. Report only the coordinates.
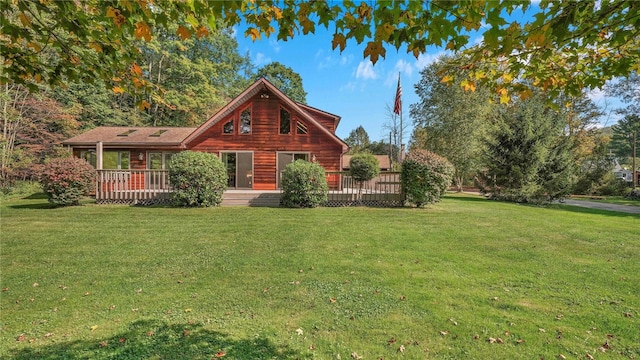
(67, 180)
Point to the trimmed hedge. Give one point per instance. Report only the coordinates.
(425, 177)
(364, 167)
(304, 185)
(198, 179)
(67, 180)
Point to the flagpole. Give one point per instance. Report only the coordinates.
(401, 150)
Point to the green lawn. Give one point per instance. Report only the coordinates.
(618, 200)
(464, 279)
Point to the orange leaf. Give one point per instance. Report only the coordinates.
(118, 90)
(143, 31)
(144, 105)
(338, 40)
(184, 32)
(220, 354)
(136, 70)
(202, 31)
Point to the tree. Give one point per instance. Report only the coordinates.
(285, 79)
(358, 140)
(450, 121)
(564, 46)
(527, 156)
(392, 126)
(626, 136)
(627, 89)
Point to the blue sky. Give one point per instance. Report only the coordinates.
(350, 86)
(344, 83)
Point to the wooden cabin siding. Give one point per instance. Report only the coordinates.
(265, 136)
(326, 120)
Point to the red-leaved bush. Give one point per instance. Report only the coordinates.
(66, 180)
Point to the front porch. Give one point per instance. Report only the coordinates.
(148, 187)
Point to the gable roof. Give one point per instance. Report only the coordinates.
(126, 136)
(263, 84)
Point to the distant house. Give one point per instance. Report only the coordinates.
(383, 161)
(256, 135)
(622, 173)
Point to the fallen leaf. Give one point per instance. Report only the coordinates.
(112, 307)
(562, 357)
(139, 290)
(628, 314)
(401, 349)
(332, 300)
(150, 333)
(48, 335)
(455, 323)
(87, 293)
(187, 310)
(94, 327)
(35, 284)
(391, 341)
(185, 333)
(443, 333)
(299, 331)
(403, 298)
(519, 341)
(499, 341)
(122, 340)
(589, 356)
(103, 344)
(219, 354)
(542, 330)
(5, 289)
(355, 355)
(476, 337)
(21, 337)
(312, 347)
(491, 340)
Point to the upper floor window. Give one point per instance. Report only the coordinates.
(285, 122)
(245, 121)
(301, 128)
(227, 128)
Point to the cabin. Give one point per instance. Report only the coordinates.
(255, 135)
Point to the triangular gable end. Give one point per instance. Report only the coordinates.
(260, 85)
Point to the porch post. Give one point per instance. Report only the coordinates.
(99, 155)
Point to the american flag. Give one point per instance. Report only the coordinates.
(397, 105)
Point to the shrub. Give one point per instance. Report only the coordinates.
(197, 178)
(304, 184)
(67, 180)
(633, 195)
(364, 167)
(425, 176)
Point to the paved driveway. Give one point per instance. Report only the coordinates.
(604, 206)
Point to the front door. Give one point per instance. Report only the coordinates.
(239, 169)
(284, 159)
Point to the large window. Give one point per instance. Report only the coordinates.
(245, 121)
(285, 122)
(115, 160)
(90, 156)
(110, 159)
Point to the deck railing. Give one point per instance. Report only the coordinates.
(132, 186)
(152, 186)
(383, 190)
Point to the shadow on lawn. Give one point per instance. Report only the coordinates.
(156, 339)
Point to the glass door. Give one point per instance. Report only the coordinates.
(284, 159)
(239, 169)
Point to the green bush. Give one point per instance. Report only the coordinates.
(363, 167)
(304, 184)
(425, 176)
(67, 180)
(198, 179)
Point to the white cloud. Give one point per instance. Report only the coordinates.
(401, 66)
(596, 95)
(425, 60)
(275, 45)
(348, 87)
(365, 71)
(261, 59)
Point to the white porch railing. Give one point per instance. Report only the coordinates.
(132, 186)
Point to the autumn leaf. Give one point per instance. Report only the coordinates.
(94, 327)
(143, 31)
(446, 79)
(183, 32)
(374, 50)
(253, 33)
(202, 32)
(355, 356)
(219, 354)
(332, 300)
(338, 40)
(299, 331)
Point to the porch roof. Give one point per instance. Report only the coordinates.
(132, 136)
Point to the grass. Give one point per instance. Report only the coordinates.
(122, 282)
(618, 200)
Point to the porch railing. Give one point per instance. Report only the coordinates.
(132, 186)
(383, 190)
(152, 186)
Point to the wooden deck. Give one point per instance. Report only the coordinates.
(148, 187)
